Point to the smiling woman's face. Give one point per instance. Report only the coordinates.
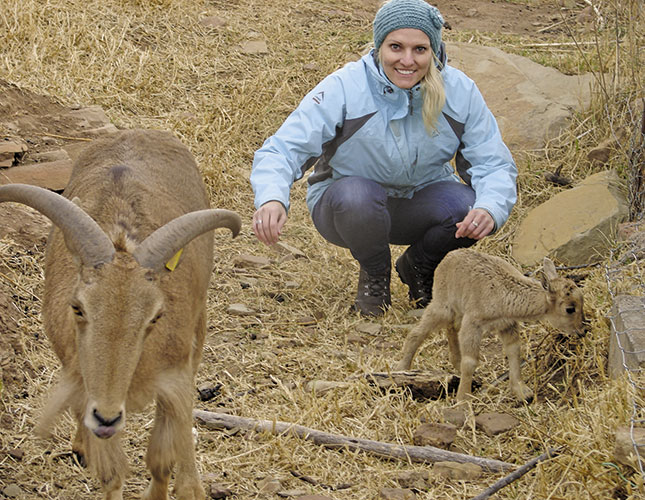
(406, 56)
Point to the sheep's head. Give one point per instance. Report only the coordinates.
(117, 300)
(565, 300)
(116, 306)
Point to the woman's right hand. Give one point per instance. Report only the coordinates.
(268, 221)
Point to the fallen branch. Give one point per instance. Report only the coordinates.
(412, 453)
(516, 474)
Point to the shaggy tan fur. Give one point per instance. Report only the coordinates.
(474, 293)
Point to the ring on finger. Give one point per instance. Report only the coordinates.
(475, 224)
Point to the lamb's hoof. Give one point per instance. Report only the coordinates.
(524, 394)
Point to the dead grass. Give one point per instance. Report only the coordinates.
(152, 64)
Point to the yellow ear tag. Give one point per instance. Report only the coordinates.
(172, 263)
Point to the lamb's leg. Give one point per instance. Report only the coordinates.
(511, 342)
(171, 443)
(454, 354)
(431, 320)
(469, 341)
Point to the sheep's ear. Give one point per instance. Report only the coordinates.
(548, 273)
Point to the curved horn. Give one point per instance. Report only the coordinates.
(162, 244)
(83, 236)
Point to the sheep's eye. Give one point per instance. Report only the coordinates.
(570, 309)
(77, 311)
(156, 318)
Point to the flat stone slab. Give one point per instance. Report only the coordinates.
(495, 423)
(532, 103)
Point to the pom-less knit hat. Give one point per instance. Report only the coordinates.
(399, 14)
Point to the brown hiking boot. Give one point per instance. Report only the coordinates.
(419, 280)
(373, 296)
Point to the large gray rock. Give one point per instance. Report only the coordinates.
(532, 103)
(576, 226)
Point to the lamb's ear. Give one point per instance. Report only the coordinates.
(548, 273)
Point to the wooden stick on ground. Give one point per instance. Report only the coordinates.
(413, 453)
(516, 474)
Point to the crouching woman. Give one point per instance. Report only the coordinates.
(379, 136)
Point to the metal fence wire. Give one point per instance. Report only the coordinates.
(624, 275)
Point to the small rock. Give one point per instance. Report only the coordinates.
(306, 321)
(47, 156)
(291, 493)
(397, 494)
(254, 47)
(369, 328)
(269, 485)
(250, 261)
(322, 386)
(284, 248)
(495, 423)
(17, 454)
(217, 491)
(624, 452)
(208, 391)
(12, 491)
(248, 282)
(435, 434)
(455, 470)
(355, 338)
(240, 310)
(412, 479)
(212, 22)
(455, 416)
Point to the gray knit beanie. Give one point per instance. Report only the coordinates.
(398, 14)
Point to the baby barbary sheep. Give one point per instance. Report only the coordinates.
(475, 293)
(125, 317)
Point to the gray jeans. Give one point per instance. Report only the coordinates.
(357, 214)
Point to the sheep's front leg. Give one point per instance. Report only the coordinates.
(469, 341)
(106, 459)
(171, 443)
(431, 320)
(511, 342)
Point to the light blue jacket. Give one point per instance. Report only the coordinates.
(357, 123)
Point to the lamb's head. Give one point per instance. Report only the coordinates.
(566, 303)
(115, 306)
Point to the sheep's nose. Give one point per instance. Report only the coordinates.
(107, 426)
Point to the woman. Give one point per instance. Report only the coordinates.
(380, 134)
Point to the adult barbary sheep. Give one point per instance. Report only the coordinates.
(474, 293)
(127, 327)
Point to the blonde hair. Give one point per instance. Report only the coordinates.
(434, 97)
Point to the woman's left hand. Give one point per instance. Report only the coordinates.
(477, 224)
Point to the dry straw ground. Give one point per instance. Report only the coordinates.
(151, 63)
